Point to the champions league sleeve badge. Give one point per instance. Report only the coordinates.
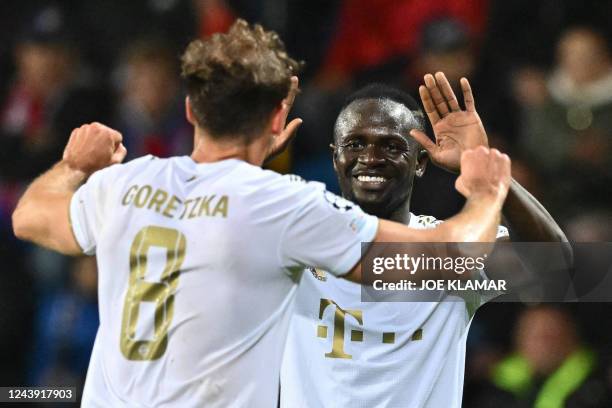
(339, 203)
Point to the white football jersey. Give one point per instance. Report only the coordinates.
(342, 352)
(198, 265)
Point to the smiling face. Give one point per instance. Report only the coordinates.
(375, 158)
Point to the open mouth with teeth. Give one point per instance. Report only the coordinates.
(370, 182)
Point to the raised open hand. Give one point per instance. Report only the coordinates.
(455, 130)
(282, 140)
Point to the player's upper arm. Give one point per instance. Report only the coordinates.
(88, 210)
(324, 231)
(47, 224)
(64, 236)
(390, 231)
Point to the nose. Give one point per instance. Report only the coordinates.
(371, 156)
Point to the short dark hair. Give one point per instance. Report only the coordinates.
(382, 92)
(235, 80)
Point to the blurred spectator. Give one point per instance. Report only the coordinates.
(151, 113)
(550, 366)
(105, 26)
(591, 226)
(67, 323)
(568, 121)
(371, 33)
(48, 98)
(215, 16)
(591, 233)
(445, 45)
(523, 32)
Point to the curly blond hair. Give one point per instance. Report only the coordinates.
(235, 80)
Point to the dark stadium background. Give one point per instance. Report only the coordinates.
(68, 62)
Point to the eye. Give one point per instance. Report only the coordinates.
(354, 145)
(394, 148)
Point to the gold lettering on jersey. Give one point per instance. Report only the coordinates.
(340, 314)
(159, 198)
(187, 203)
(356, 335)
(204, 207)
(129, 195)
(142, 290)
(142, 196)
(221, 207)
(388, 338)
(192, 213)
(417, 335)
(171, 206)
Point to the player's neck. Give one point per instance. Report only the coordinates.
(402, 213)
(209, 150)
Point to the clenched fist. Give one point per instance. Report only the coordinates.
(484, 172)
(93, 147)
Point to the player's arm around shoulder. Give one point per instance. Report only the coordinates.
(42, 215)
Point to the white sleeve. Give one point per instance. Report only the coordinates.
(325, 231)
(502, 232)
(87, 212)
(487, 296)
(427, 221)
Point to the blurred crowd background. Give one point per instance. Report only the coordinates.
(542, 77)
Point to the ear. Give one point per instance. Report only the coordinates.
(189, 112)
(421, 163)
(277, 121)
(334, 150)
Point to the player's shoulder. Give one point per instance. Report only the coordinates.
(291, 191)
(288, 182)
(111, 172)
(142, 169)
(316, 191)
(150, 166)
(144, 161)
(134, 164)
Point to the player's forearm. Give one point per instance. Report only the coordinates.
(477, 222)
(42, 214)
(528, 219)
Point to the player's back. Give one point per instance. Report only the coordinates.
(194, 302)
(197, 270)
